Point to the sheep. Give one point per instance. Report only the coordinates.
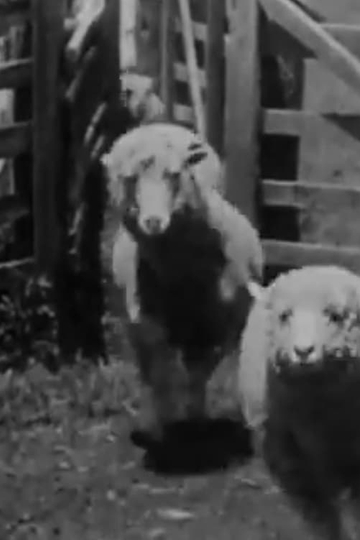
(188, 261)
(299, 391)
(139, 98)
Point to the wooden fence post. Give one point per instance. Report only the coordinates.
(215, 64)
(242, 106)
(48, 22)
(167, 29)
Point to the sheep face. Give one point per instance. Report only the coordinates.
(314, 321)
(152, 189)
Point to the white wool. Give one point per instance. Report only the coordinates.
(242, 249)
(124, 270)
(242, 244)
(169, 145)
(286, 289)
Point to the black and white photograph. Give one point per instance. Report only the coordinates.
(179, 269)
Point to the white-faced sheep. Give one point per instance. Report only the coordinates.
(299, 388)
(188, 261)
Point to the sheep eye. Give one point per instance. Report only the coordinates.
(335, 317)
(285, 315)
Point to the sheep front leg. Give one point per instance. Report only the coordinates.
(160, 377)
(199, 364)
(350, 513)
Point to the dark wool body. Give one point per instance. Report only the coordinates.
(179, 286)
(312, 435)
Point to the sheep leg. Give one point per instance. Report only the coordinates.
(303, 480)
(350, 512)
(160, 377)
(328, 526)
(199, 366)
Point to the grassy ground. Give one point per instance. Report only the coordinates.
(69, 469)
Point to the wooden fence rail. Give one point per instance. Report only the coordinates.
(68, 76)
(291, 162)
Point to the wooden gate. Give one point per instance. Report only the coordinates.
(31, 138)
(291, 112)
(310, 148)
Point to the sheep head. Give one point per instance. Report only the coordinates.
(153, 174)
(314, 318)
(307, 321)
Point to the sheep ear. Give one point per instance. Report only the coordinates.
(194, 191)
(196, 154)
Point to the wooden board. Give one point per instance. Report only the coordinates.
(242, 108)
(329, 152)
(291, 254)
(338, 11)
(324, 194)
(338, 207)
(47, 45)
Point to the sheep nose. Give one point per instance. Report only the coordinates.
(153, 225)
(303, 352)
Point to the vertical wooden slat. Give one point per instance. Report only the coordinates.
(192, 66)
(47, 42)
(110, 37)
(215, 74)
(242, 106)
(147, 32)
(167, 29)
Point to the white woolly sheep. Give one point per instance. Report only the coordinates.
(188, 261)
(299, 388)
(137, 94)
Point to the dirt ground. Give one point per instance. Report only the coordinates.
(69, 469)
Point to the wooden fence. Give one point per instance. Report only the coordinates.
(67, 92)
(290, 107)
(70, 74)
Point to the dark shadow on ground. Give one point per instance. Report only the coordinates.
(196, 447)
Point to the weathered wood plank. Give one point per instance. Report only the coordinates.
(14, 17)
(86, 22)
(348, 35)
(292, 254)
(181, 74)
(167, 52)
(330, 144)
(192, 66)
(279, 40)
(283, 121)
(335, 95)
(47, 48)
(242, 108)
(327, 49)
(20, 264)
(94, 124)
(183, 114)
(90, 59)
(199, 29)
(109, 39)
(15, 139)
(215, 73)
(15, 7)
(325, 213)
(15, 73)
(346, 11)
(297, 194)
(148, 40)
